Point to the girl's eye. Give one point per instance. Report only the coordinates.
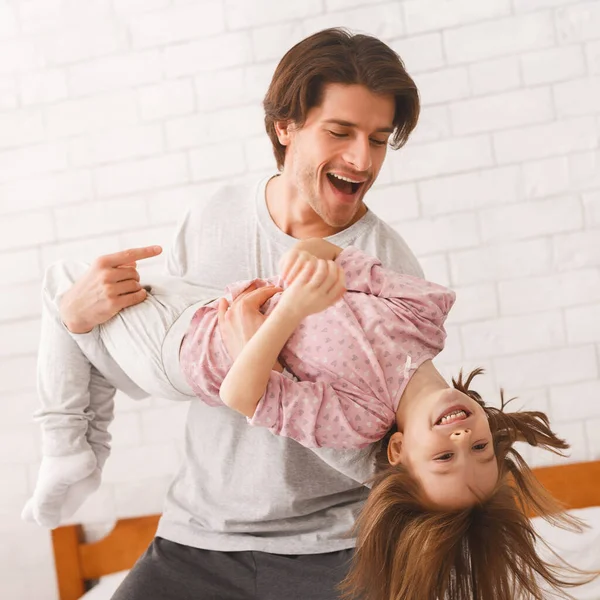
(338, 135)
(481, 446)
(378, 142)
(444, 457)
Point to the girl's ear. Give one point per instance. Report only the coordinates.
(394, 450)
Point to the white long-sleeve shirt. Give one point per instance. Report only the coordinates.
(240, 487)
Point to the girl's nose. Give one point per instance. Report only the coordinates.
(460, 434)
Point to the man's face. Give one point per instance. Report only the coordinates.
(336, 156)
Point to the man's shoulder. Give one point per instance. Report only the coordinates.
(388, 244)
(227, 199)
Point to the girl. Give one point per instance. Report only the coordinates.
(361, 369)
(170, 346)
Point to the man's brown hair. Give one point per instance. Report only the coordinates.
(338, 56)
(408, 551)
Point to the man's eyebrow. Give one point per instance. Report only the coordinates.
(343, 123)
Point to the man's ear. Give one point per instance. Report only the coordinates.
(394, 450)
(283, 130)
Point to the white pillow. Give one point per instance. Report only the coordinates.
(580, 549)
(106, 587)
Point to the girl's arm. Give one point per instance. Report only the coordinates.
(428, 302)
(364, 273)
(332, 412)
(317, 284)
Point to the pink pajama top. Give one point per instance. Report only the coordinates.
(350, 363)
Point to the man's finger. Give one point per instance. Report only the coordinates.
(125, 257)
(305, 274)
(332, 278)
(221, 310)
(293, 268)
(322, 274)
(122, 274)
(251, 287)
(286, 262)
(299, 266)
(125, 287)
(127, 300)
(258, 297)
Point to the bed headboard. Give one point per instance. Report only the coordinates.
(78, 562)
(576, 485)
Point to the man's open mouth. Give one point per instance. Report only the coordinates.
(345, 185)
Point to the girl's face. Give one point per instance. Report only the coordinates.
(445, 441)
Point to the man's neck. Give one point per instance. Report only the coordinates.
(293, 215)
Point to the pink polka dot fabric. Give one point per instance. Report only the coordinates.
(350, 362)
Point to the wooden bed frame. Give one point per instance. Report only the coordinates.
(77, 562)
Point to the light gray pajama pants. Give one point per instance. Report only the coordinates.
(137, 352)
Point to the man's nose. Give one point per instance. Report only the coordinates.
(358, 154)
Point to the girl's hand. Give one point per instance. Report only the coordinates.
(316, 247)
(315, 285)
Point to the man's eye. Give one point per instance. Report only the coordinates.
(378, 142)
(445, 457)
(338, 135)
(481, 446)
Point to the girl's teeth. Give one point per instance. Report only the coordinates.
(459, 413)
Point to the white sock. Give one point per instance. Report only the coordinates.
(63, 484)
(79, 492)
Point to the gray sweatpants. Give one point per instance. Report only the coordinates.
(170, 571)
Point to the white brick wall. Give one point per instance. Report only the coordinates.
(115, 114)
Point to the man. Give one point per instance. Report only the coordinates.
(252, 515)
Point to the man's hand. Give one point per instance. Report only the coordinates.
(241, 319)
(109, 285)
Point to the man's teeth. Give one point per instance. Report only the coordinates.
(344, 178)
(453, 416)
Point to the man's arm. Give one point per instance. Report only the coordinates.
(111, 284)
(211, 224)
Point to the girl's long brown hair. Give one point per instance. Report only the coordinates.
(407, 551)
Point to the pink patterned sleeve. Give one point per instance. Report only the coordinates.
(204, 359)
(428, 302)
(318, 414)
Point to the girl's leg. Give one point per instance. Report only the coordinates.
(76, 406)
(101, 406)
(78, 375)
(140, 337)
